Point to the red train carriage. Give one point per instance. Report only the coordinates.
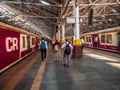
(108, 39)
(15, 44)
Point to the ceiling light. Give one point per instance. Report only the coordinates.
(103, 16)
(9, 20)
(113, 10)
(15, 23)
(2, 16)
(43, 2)
(100, 22)
(81, 20)
(94, 20)
(109, 19)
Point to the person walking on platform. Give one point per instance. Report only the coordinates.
(43, 48)
(56, 46)
(53, 44)
(67, 47)
(82, 41)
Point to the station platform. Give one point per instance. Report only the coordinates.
(96, 70)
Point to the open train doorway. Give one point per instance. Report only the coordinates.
(118, 41)
(28, 43)
(95, 41)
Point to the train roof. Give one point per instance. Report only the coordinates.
(104, 30)
(16, 29)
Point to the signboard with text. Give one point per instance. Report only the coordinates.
(69, 20)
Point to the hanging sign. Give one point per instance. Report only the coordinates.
(69, 20)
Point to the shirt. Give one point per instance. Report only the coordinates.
(45, 44)
(64, 45)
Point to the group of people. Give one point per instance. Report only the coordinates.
(67, 48)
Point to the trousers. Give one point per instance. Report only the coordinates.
(43, 53)
(66, 59)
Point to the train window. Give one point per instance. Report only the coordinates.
(33, 41)
(86, 39)
(102, 38)
(109, 38)
(23, 42)
(89, 39)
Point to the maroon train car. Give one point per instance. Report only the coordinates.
(107, 39)
(15, 44)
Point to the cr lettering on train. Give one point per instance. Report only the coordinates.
(11, 44)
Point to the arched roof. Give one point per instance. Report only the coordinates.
(45, 16)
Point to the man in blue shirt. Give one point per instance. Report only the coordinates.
(43, 48)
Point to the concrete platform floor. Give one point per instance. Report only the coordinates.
(96, 70)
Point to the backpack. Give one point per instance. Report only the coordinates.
(42, 45)
(67, 49)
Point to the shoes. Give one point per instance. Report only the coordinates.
(64, 65)
(68, 66)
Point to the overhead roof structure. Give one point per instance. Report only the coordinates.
(44, 16)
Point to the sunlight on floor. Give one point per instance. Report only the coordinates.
(115, 62)
(117, 65)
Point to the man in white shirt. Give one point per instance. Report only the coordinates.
(67, 47)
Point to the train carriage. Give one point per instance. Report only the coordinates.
(15, 45)
(107, 39)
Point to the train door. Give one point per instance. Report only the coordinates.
(28, 43)
(118, 41)
(95, 41)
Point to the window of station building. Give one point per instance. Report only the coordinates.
(33, 41)
(23, 42)
(109, 38)
(102, 38)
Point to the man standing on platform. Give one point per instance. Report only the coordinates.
(43, 48)
(67, 47)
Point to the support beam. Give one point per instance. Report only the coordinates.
(77, 50)
(36, 1)
(63, 34)
(65, 6)
(52, 1)
(101, 4)
(29, 3)
(45, 17)
(58, 35)
(118, 1)
(77, 29)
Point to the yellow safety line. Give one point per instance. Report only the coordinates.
(38, 79)
(13, 82)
